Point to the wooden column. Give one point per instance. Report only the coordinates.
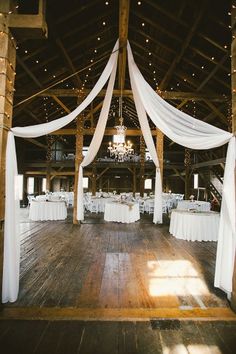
(7, 78)
(233, 86)
(94, 180)
(78, 160)
(134, 182)
(187, 162)
(50, 140)
(48, 176)
(159, 148)
(142, 165)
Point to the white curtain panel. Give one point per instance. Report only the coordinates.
(195, 134)
(142, 116)
(11, 235)
(96, 141)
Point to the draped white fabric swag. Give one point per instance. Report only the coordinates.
(195, 134)
(11, 261)
(177, 125)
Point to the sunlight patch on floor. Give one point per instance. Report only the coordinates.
(175, 277)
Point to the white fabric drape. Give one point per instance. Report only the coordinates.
(11, 256)
(96, 141)
(11, 234)
(157, 215)
(227, 240)
(195, 134)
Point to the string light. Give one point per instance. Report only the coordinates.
(139, 3)
(143, 24)
(147, 40)
(212, 58)
(104, 23)
(99, 38)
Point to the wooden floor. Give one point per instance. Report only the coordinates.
(81, 337)
(100, 265)
(108, 288)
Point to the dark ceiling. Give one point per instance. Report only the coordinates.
(179, 46)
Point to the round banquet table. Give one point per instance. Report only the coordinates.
(121, 212)
(196, 204)
(194, 226)
(101, 202)
(40, 211)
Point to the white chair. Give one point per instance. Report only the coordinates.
(150, 207)
(141, 206)
(30, 198)
(93, 206)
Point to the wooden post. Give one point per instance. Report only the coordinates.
(233, 86)
(187, 162)
(48, 176)
(159, 148)
(94, 180)
(134, 181)
(78, 159)
(7, 78)
(142, 165)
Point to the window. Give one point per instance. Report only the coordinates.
(195, 181)
(148, 183)
(20, 186)
(85, 182)
(44, 185)
(30, 185)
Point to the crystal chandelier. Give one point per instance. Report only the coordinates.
(120, 150)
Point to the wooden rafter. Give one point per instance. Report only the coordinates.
(38, 83)
(68, 60)
(168, 95)
(184, 46)
(123, 36)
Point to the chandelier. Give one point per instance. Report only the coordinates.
(120, 150)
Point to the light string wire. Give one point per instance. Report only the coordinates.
(66, 78)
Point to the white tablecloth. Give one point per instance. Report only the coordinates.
(197, 205)
(40, 211)
(101, 202)
(121, 212)
(194, 226)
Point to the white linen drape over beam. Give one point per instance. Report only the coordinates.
(11, 260)
(96, 141)
(195, 134)
(178, 126)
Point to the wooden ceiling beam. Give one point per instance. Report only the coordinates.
(68, 60)
(222, 117)
(166, 79)
(200, 87)
(178, 20)
(185, 60)
(168, 95)
(124, 6)
(108, 131)
(38, 83)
